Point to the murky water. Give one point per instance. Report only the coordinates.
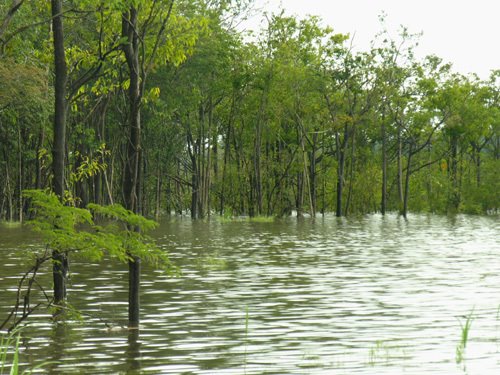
(370, 295)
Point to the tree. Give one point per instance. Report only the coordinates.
(60, 261)
(66, 229)
(146, 40)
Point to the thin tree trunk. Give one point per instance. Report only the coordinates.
(400, 167)
(313, 174)
(8, 189)
(306, 175)
(227, 150)
(158, 191)
(60, 262)
(133, 160)
(257, 186)
(340, 172)
(38, 163)
(383, 203)
(351, 173)
(257, 152)
(455, 195)
(192, 151)
(20, 171)
(478, 168)
(407, 182)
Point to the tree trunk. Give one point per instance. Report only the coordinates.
(455, 192)
(313, 175)
(131, 185)
(158, 191)
(20, 168)
(257, 175)
(478, 168)
(383, 203)
(38, 163)
(257, 150)
(404, 211)
(192, 150)
(299, 199)
(306, 178)
(351, 173)
(8, 189)
(60, 262)
(400, 167)
(227, 150)
(99, 123)
(340, 171)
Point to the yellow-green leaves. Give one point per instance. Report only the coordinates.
(91, 233)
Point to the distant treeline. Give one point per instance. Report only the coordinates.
(170, 109)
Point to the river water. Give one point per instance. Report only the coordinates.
(368, 295)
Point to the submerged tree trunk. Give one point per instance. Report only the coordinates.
(383, 203)
(158, 191)
(313, 175)
(400, 168)
(455, 186)
(227, 151)
(60, 261)
(404, 210)
(257, 186)
(8, 189)
(20, 167)
(351, 173)
(133, 160)
(340, 171)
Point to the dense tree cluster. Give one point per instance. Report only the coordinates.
(168, 108)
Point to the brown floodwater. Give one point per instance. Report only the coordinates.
(368, 295)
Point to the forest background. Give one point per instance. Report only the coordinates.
(169, 109)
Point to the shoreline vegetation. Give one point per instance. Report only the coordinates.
(289, 120)
(265, 219)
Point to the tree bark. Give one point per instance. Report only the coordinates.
(404, 211)
(400, 167)
(60, 262)
(133, 160)
(341, 149)
(383, 203)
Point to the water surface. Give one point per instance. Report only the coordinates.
(370, 295)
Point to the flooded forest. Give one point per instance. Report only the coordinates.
(181, 195)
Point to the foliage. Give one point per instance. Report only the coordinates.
(89, 234)
(290, 120)
(70, 229)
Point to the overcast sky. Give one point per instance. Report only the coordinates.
(463, 32)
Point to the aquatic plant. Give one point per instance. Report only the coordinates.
(9, 354)
(211, 263)
(464, 337)
(385, 352)
(7, 342)
(379, 352)
(250, 219)
(310, 360)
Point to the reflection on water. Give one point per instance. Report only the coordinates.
(372, 295)
(133, 352)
